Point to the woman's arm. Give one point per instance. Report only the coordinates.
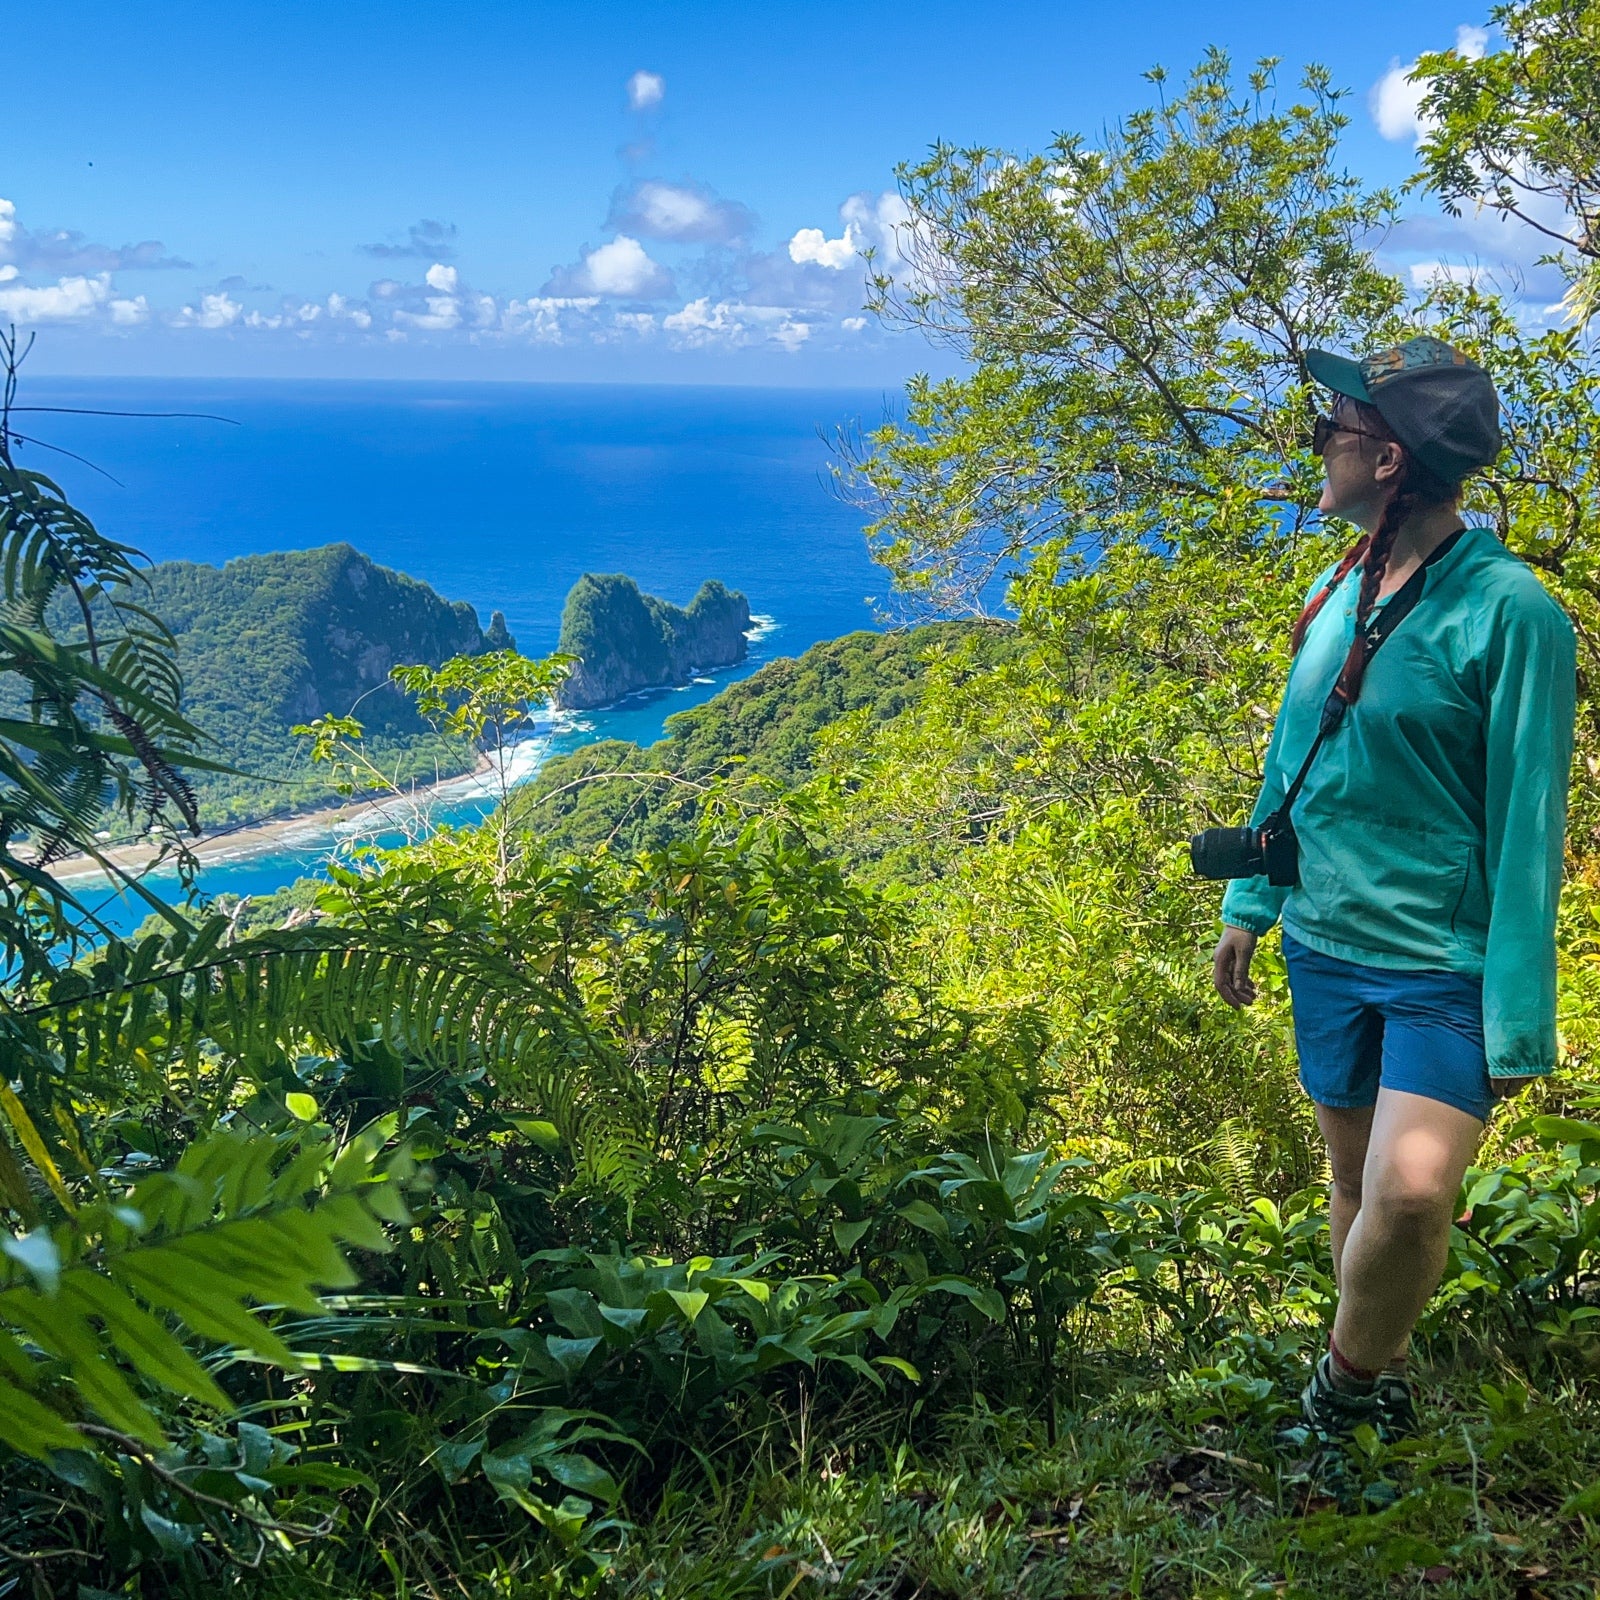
(1253, 904)
(1531, 677)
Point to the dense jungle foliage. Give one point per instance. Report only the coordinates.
(761, 732)
(847, 1183)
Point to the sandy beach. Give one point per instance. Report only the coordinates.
(326, 828)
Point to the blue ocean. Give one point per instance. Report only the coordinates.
(499, 494)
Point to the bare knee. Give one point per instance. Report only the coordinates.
(1347, 1186)
(1414, 1208)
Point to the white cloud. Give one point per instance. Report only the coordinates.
(130, 313)
(697, 320)
(646, 90)
(1424, 274)
(731, 323)
(8, 221)
(68, 300)
(214, 311)
(341, 308)
(622, 269)
(1396, 98)
(640, 323)
(877, 220)
(790, 335)
(685, 211)
(7, 273)
(871, 222)
(853, 324)
(546, 319)
(441, 277)
(813, 245)
(443, 314)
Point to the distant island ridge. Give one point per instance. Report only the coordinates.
(625, 640)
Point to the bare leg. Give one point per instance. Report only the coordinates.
(1394, 1252)
(1347, 1130)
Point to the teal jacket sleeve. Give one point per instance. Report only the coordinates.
(1530, 676)
(1252, 903)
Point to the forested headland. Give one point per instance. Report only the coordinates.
(807, 1157)
(269, 642)
(622, 640)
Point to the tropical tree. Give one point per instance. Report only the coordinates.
(1517, 131)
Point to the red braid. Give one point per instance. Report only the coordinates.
(1417, 489)
(1320, 598)
(1373, 568)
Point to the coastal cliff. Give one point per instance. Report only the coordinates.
(626, 640)
(294, 634)
(272, 640)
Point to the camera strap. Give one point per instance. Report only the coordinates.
(1390, 615)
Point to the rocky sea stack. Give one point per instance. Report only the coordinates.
(626, 640)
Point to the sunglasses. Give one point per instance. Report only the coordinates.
(1324, 428)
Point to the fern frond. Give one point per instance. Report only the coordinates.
(243, 1224)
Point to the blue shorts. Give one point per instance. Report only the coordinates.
(1358, 1028)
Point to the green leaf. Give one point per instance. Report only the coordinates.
(301, 1105)
(900, 1365)
(544, 1134)
(174, 1538)
(31, 1427)
(1564, 1130)
(920, 1214)
(579, 1473)
(691, 1302)
(848, 1234)
(37, 1255)
(1583, 1503)
(142, 1340)
(571, 1354)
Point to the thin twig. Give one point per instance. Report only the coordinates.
(146, 1455)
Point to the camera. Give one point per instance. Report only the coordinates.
(1271, 851)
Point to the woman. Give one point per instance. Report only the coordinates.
(1420, 937)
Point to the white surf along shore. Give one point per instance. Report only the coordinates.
(411, 814)
(337, 829)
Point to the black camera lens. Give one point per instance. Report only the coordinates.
(1227, 853)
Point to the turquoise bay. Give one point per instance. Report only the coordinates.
(499, 494)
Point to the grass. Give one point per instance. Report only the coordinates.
(1144, 1496)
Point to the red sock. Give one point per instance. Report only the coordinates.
(1346, 1368)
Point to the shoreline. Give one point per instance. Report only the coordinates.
(323, 825)
(324, 829)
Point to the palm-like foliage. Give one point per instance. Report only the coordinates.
(90, 700)
(87, 1309)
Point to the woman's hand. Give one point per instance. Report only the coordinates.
(1230, 967)
(1505, 1088)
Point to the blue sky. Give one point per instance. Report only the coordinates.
(595, 191)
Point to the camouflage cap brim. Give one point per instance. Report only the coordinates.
(1338, 373)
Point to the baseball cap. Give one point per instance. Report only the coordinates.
(1441, 406)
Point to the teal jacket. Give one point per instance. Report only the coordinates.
(1432, 825)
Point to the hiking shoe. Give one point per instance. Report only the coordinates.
(1334, 1414)
(1397, 1407)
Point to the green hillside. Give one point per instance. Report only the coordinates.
(764, 727)
(268, 641)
